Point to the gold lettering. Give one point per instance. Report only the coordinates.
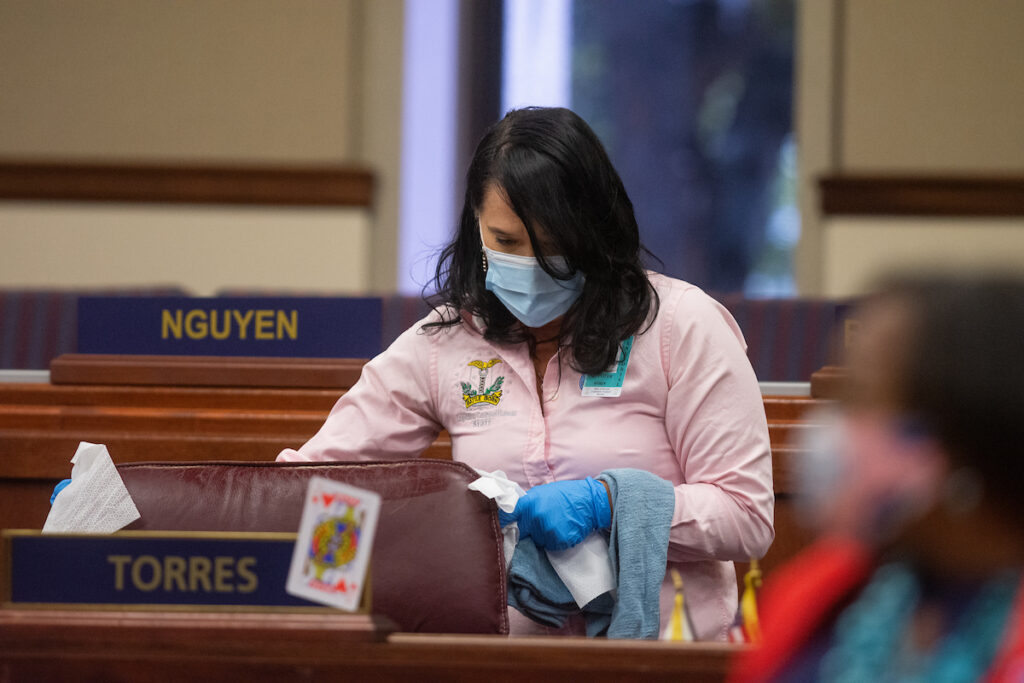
(119, 561)
(223, 572)
(243, 322)
(245, 571)
(288, 324)
(199, 572)
(137, 573)
(170, 324)
(220, 334)
(195, 330)
(174, 572)
(264, 324)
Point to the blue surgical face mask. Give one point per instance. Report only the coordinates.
(864, 475)
(529, 292)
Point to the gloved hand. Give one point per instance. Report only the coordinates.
(561, 514)
(58, 488)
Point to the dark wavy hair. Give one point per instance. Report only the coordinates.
(555, 174)
(963, 375)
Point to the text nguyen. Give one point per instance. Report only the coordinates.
(231, 323)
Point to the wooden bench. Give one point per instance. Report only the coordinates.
(202, 409)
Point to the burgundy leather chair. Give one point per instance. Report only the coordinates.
(437, 563)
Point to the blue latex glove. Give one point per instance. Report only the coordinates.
(58, 488)
(561, 514)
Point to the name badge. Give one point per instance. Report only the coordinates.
(608, 384)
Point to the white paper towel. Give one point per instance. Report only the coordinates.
(505, 492)
(96, 501)
(585, 569)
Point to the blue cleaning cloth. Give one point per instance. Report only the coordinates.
(535, 590)
(638, 548)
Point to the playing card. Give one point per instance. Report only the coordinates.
(332, 551)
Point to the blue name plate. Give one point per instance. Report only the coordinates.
(298, 327)
(149, 569)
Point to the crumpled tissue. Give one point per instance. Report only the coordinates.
(585, 569)
(96, 501)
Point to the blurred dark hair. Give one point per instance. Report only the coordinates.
(963, 374)
(556, 176)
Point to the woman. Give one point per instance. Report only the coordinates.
(917, 491)
(553, 356)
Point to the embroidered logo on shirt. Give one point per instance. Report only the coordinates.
(492, 394)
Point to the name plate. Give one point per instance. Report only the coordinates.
(298, 327)
(150, 569)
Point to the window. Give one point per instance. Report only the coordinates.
(693, 99)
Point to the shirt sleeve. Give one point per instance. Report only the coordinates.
(716, 423)
(390, 412)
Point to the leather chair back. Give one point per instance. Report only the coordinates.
(437, 563)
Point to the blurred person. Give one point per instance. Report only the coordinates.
(915, 485)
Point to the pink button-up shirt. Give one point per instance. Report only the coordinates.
(690, 411)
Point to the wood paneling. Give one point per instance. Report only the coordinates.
(902, 195)
(827, 383)
(342, 186)
(234, 398)
(210, 371)
(147, 647)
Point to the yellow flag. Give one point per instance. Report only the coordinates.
(747, 627)
(679, 627)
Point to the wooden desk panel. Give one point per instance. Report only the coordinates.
(238, 398)
(777, 408)
(199, 371)
(151, 647)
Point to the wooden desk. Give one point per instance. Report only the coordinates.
(151, 647)
(199, 409)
